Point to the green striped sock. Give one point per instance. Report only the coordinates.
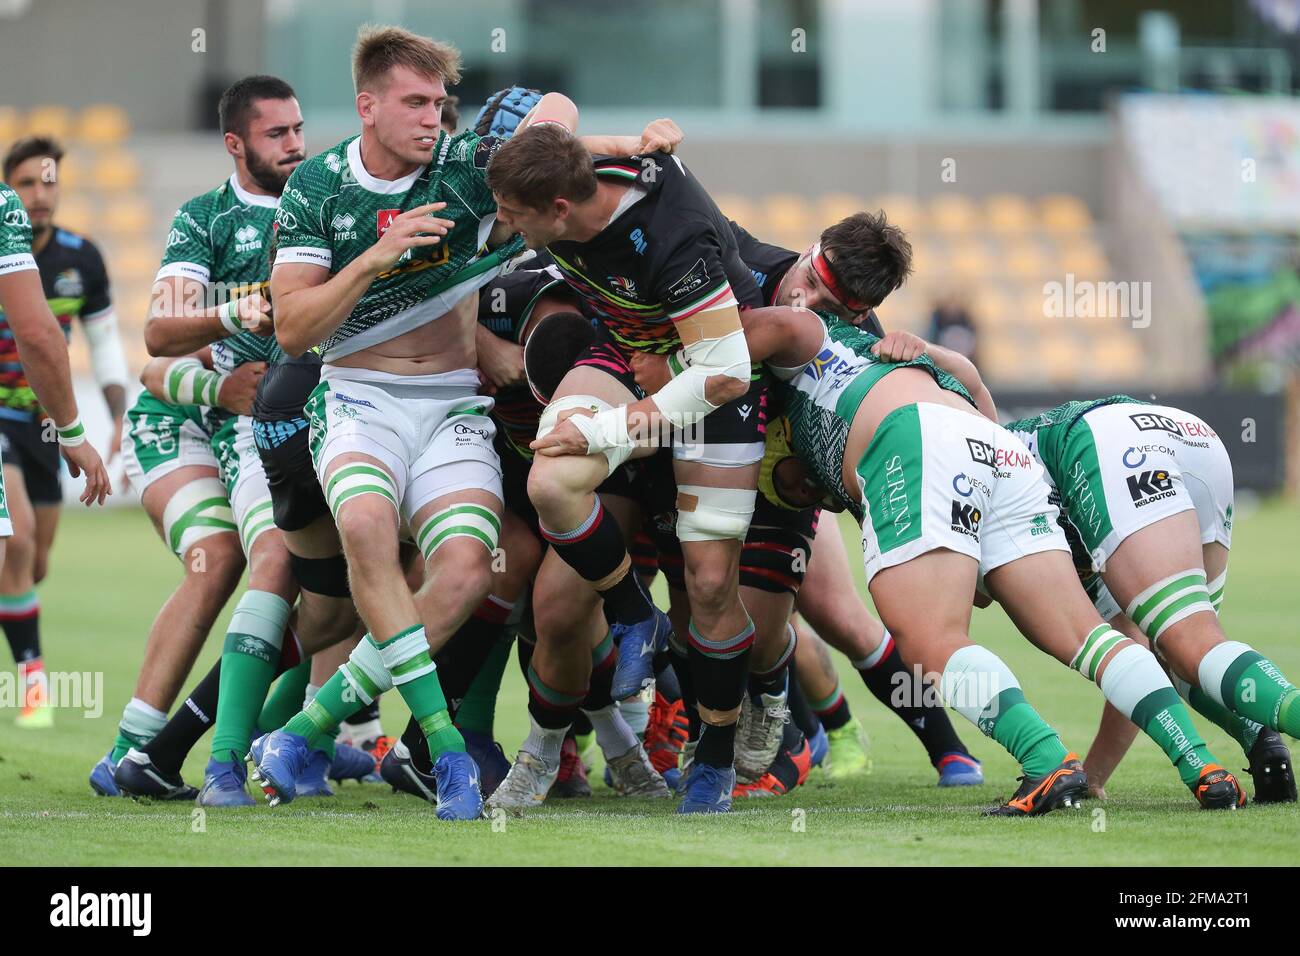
(334, 703)
(248, 663)
(1244, 731)
(1248, 683)
(406, 655)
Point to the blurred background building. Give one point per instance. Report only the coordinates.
(1106, 192)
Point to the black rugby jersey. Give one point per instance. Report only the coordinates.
(666, 257)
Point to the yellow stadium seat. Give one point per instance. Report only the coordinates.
(132, 260)
(992, 307)
(833, 207)
(10, 124)
(789, 214)
(953, 213)
(115, 171)
(1117, 357)
(1060, 358)
(71, 173)
(1083, 257)
(1025, 260)
(1033, 306)
(970, 261)
(49, 120)
(76, 213)
(738, 208)
(1002, 357)
(129, 215)
(903, 211)
(105, 124)
(1008, 214)
(1064, 214)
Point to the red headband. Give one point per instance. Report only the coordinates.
(823, 267)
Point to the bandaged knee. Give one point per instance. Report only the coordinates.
(365, 672)
(713, 514)
(608, 436)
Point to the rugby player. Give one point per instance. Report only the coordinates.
(858, 422)
(650, 254)
(43, 355)
(76, 286)
(1146, 492)
(398, 431)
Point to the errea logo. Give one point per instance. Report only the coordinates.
(248, 239)
(342, 224)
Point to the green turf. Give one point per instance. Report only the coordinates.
(109, 575)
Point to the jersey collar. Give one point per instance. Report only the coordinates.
(382, 186)
(251, 199)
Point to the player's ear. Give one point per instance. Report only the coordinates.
(234, 145)
(562, 207)
(365, 107)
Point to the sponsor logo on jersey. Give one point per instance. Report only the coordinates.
(297, 195)
(1129, 453)
(384, 218)
(1135, 456)
(983, 453)
(965, 485)
(463, 429)
(333, 162)
(966, 519)
(484, 151)
(1039, 526)
(1149, 486)
(190, 221)
(697, 276)
(339, 396)
(743, 411)
(68, 283)
(827, 362)
(639, 242)
(342, 225)
(1227, 518)
(1149, 421)
(1083, 508)
(286, 220)
(16, 217)
(624, 285)
(248, 239)
(176, 238)
(346, 412)
(893, 496)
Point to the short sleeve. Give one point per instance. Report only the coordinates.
(300, 227)
(188, 253)
(15, 234)
(691, 277)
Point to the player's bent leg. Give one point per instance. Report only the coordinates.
(1115, 732)
(763, 712)
(1041, 595)
(47, 524)
(19, 605)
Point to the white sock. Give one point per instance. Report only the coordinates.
(141, 721)
(365, 731)
(636, 712)
(613, 734)
(544, 743)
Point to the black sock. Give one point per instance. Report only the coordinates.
(24, 636)
(595, 550)
(524, 652)
(930, 724)
(602, 679)
(464, 655)
(686, 684)
(773, 682)
(721, 672)
(836, 716)
(190, 722)
(365, 714)
(666, 681)
(800, 713)
(418, 745)
(581, 723)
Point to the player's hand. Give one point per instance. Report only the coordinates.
(84, 458)
(899, 346)
(254, 314)
(412, 229)
(236, 392)
(661, 135)
(651, 371)
(501, 365)
(563, 439)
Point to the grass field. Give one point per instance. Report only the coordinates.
(110, 575)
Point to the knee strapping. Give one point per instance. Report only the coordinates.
(1216, 589)
(366, 673)
(198, 510)
(1101, 640)
(327, 576)
(359, 478)
(459, 521)
(713, 514)
(1169, 601)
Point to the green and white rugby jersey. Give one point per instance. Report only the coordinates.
(333, 210)
(1046, 434)
(823, 398)
(15, 234)
(222, 238)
